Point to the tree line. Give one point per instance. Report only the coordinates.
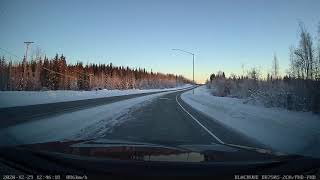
(298, 89)
(42, 73)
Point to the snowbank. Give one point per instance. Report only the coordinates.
(23, 98)
(283, 130)
(84, 124)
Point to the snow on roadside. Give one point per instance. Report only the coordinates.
(285, 131)
(23, 98)
(83, 124)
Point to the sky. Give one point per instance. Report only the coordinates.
(224, 35)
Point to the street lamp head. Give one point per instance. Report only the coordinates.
(192, 61)
(183, 51)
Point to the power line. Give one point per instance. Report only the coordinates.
(58, 73)
(10, 53)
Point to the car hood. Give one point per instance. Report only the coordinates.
(138, 151)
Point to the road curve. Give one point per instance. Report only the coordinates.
(168, 119)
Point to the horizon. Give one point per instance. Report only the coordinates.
(143, 34)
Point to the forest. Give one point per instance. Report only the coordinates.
(298, 89)
(42, 73)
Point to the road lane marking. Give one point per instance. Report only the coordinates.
(163, 98)
(261, 150)
(206, 129)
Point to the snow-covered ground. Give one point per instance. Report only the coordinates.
(89, 123)
(23, 98)
(284, 131)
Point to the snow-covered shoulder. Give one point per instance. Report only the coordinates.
(283, 130)
(24, 98)
(88, 123)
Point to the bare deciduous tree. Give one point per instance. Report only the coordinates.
(304, 54)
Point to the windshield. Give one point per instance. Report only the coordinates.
(197, 75)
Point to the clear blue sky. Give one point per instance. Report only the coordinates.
(223, 34)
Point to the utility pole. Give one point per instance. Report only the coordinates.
(27, 47)
(24, 62)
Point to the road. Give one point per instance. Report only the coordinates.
(165, 119)
(15, 115)
(169, 119)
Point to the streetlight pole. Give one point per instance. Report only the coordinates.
(192, 63)
(193, 69)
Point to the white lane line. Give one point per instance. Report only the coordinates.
(221, 142)
(164, 98)
(206, 129)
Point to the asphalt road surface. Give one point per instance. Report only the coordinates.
(15, 115)
(168, 119)
(165, 120)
